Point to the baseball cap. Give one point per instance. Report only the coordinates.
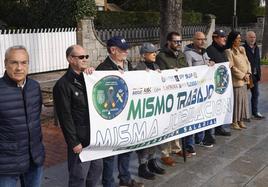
(118, 41)
(147, 48)
(219, 33)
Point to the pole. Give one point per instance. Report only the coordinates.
(234, 17)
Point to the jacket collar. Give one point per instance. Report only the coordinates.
(220, 48)
(191, 48)
(12, 83)
(170, 52)
(72, 76)
(247, 46)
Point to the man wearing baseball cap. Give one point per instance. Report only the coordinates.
(216, 52)
(117, 48)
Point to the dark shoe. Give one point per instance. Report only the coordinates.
(131, 183)
(190, 149)
(258, 116)
(206, 144)
(154, 167)
(169, 161)
(209, 139)
(219, 131)
(144, 172)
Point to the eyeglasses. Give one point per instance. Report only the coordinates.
(178, 42)
(81, 57)
(203, 39)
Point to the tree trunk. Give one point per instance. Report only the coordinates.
(170, 18)
(265, 33)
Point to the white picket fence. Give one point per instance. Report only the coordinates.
(46, 47)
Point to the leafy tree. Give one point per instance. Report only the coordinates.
(265, 33)
(170, 18)
(45, 13)
(223, 9)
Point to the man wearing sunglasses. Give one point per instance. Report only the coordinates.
(71, 104)
(117, 48)
(171, 57)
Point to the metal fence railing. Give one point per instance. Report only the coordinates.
(145, 34)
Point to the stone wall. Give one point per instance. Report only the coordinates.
(87, 37)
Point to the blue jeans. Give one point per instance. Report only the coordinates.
(123, 168)
(32, 178)
(191, 140)
(8, 181)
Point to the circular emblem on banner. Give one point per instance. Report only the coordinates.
(221, 78)
(110, 95)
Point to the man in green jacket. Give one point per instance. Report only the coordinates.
(171, 57)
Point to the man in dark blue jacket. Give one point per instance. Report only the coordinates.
(253, 54)
(21, 148)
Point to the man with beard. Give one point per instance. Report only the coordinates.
(171, 57)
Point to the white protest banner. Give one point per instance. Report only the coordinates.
(139, 109)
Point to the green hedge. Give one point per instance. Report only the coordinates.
(191, 18)
(264, 61)
(137, 19)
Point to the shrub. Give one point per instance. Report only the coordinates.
(138, 19)
(264, 61)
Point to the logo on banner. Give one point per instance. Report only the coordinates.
(221, 78)
(110, 95)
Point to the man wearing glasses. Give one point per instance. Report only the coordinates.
(171, 57)
(117, 48)
(21, 149)
(71, 104)
(216, 52)
(196, 55)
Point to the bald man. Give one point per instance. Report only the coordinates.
(71, 104)
(196, 55)
(253, 54)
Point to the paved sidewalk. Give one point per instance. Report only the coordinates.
(239, 160)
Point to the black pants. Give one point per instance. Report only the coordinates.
(254, 97)
(83, 174)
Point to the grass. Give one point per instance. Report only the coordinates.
(264, 61)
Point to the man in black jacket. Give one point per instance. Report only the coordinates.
(253, 54)
(71, 104)
(216, 52)
(117, 48)
(21, 149)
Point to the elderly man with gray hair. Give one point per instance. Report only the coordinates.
(253, 54)
(21, 149)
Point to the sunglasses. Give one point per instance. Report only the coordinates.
(81, 57)
(179, 42)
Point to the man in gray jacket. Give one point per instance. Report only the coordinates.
(196, 55)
